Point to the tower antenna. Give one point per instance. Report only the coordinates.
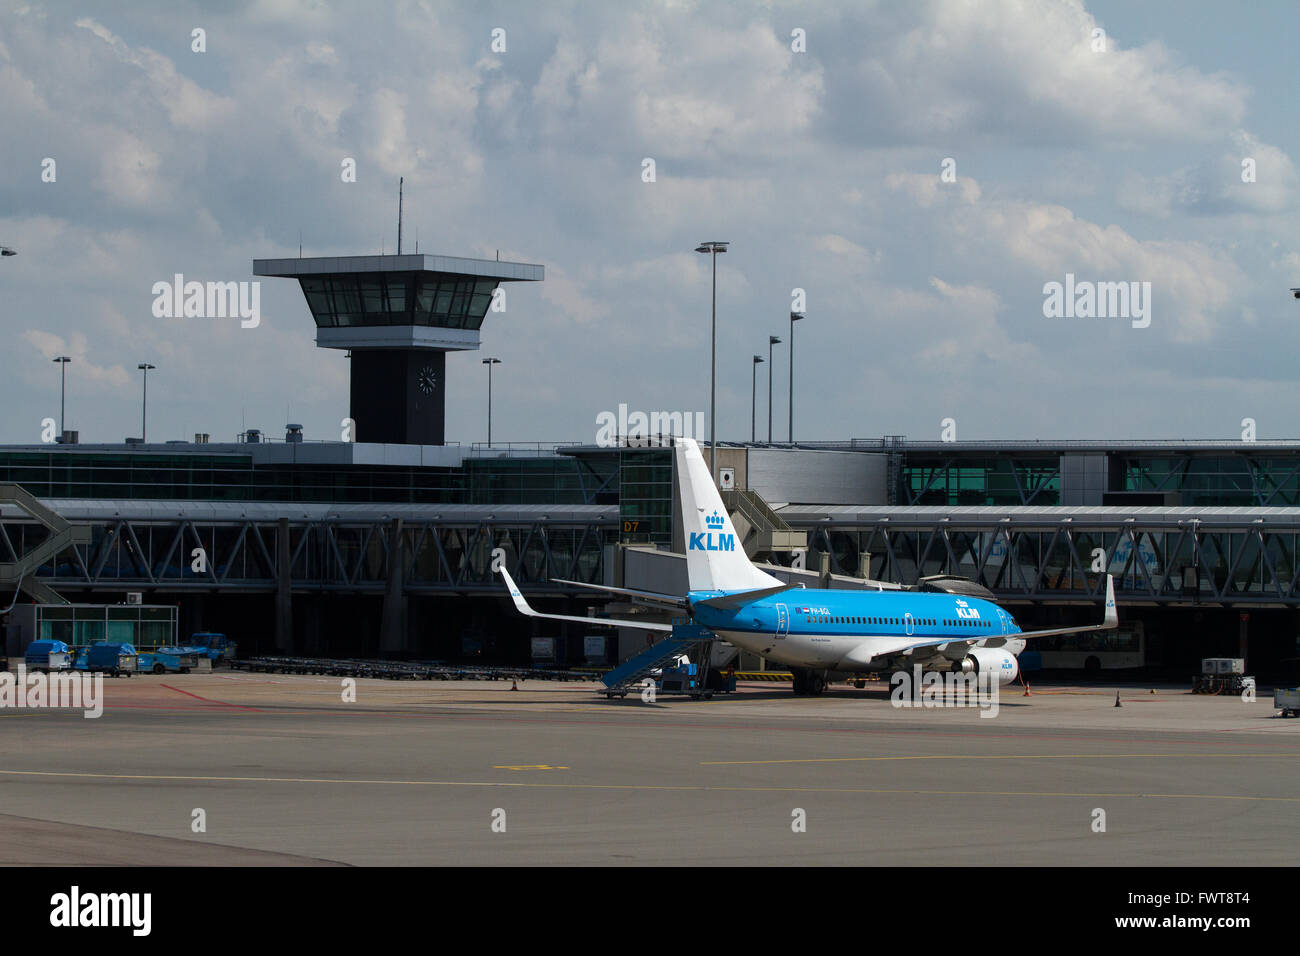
(400, 180)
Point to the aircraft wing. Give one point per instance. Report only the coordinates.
(1110, 620)
(665, 599)
(527, 609)
(905, 646)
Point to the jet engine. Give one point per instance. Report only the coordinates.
(983, 660)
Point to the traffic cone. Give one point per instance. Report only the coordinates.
(514, 684)
(1117, 703)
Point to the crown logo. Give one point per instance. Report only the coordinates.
(714, 522)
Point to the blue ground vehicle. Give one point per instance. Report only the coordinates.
(215, 646)
(48, 656)
(162, 660)
(108, 658)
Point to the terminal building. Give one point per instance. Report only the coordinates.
(384, 546)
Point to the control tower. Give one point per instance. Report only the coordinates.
(399, 316)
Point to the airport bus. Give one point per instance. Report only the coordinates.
(1124, 647)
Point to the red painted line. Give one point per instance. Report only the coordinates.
(219, 703)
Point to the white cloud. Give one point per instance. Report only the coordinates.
(1218, 186)
(927, 189)
(77, 347)
(187, 104)
(1025, 71)
(128, 169)
(821, 168)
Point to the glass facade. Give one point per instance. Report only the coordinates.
(1217, 480)
(560, 479)
(1011, 479)
(145, 626)
(542, 481)
(639, 480)
(981, 481)
(646, 496)
(398, 298)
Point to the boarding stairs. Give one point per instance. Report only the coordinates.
(761, 529)
(636, 669)
(62, 534)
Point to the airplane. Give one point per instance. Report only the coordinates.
(820, 634)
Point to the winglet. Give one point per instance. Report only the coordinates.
(1111, 618)
(516, 595)
(527, 609)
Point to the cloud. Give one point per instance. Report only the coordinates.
(1019, 71)
(76, 347)
(928, 189)
(1249, 176)
(822, 169)
(188, 105)
(1194, 284)
(963, 329)
(680, 91)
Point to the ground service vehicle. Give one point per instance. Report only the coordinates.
(163, 660)
(107, 658)
(212, 645)
(48, 656)
(1287, 700)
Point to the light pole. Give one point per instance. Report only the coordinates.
(144, 407)
(713, 248)
(771, 341)
(794, 317)
(489, 362)
(753, 402)
(63, 361)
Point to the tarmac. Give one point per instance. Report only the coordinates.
(281, 770)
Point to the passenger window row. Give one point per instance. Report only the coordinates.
(920, 621)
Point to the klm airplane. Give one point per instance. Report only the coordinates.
(821, 634)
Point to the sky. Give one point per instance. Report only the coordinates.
(922, 170)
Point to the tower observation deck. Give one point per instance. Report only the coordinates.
(399, 316)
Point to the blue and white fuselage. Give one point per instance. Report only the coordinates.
(855, 630)
(818, 632)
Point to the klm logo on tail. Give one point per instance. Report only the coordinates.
(714, 539)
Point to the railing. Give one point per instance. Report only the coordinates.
(62, 535)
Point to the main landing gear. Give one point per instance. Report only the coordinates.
(808, 683)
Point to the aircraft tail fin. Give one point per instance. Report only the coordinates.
(715, 561)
